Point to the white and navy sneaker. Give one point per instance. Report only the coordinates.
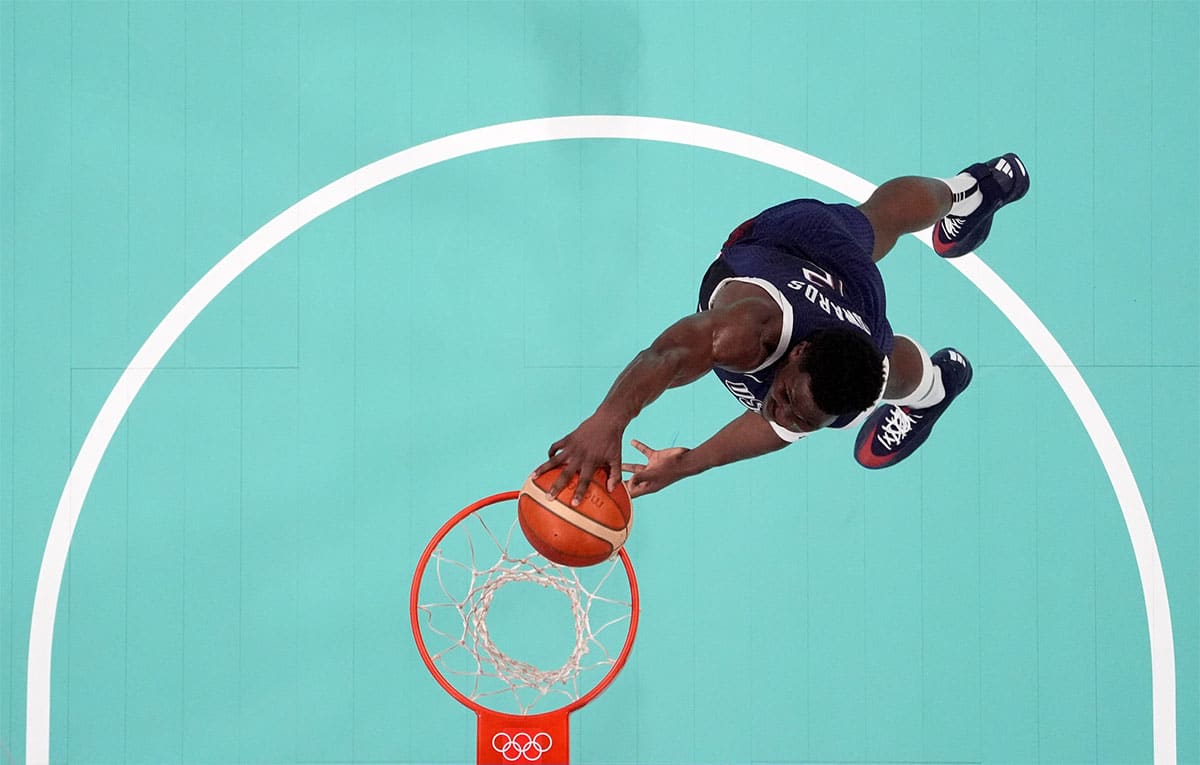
(893, 432)
(1001, 180)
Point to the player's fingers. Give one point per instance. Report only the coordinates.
(563, 479)
(630, 467)
(556, 446)
(585, 480)
(637, 487)
(646, 450)
(614, 474)
(554, 461)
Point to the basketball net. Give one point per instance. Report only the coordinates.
(522, 707)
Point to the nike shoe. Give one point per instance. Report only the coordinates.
(1002, 180)
(893, 432)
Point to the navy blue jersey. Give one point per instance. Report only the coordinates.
(814, 259)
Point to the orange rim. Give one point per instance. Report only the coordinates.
(420, 641)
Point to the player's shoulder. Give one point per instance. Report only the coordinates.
(746, 294)
(748, 323)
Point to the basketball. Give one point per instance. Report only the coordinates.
(574, 536)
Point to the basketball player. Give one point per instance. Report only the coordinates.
(792, 320)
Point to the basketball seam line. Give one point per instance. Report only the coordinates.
(615, 537)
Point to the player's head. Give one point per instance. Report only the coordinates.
(832, 372)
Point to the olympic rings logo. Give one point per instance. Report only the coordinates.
(522, 746)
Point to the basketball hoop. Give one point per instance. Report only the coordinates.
(475, 554)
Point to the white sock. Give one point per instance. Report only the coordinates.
(967, 196)
(929, 390)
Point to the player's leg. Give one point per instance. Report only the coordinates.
(920, 388)
(959, 209)
(908, 367)
(904, 205)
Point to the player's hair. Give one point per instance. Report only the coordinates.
(845, 370)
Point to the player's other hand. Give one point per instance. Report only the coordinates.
(595, 444)
(663, 467)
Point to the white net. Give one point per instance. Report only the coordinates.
(463, 621)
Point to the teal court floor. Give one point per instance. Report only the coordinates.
(236, 583)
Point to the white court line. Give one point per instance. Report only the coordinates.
(79, 480)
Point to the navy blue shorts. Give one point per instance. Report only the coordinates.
(836, 236)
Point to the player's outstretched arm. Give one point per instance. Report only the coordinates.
(748, 435)
(730, 336)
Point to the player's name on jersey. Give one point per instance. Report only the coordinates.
(819, 299)
(744, 395)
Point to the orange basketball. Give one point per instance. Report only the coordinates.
(575, 536)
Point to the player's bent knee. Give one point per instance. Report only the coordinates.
(886, 233)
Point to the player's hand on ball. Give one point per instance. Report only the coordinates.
(662, 469)
(595, 444)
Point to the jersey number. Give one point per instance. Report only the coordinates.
(822, 278)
